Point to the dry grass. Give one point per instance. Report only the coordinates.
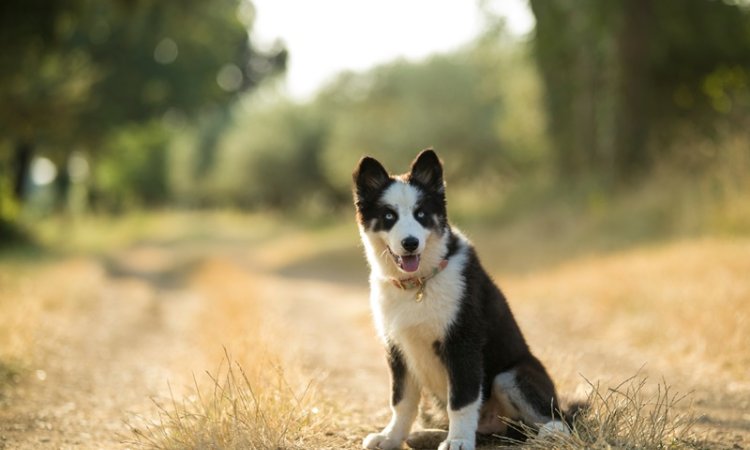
(602, 316)
(253, 400)
(685, 304)
(234, 412)
(631, 415)
(648, 302)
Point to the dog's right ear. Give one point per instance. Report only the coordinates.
(370, 177)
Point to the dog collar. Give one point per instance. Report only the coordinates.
(418, 282)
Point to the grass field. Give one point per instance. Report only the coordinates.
(187, 330)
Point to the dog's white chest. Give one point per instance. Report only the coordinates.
(418, 327)
(418, 349)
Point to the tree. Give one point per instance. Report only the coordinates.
(35, 85)
(74, 72)
(620, 73)
(460, 103)
(271, 158)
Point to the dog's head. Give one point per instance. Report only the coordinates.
(402, 217)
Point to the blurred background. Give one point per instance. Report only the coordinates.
(175, 188)
(118, 106)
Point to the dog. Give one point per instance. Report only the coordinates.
(446, 326)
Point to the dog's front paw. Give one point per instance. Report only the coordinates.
(381, 441)
(457, 444)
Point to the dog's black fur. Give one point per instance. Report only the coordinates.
(483, 340)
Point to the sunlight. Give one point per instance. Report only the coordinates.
(330, 36)
(43, 171)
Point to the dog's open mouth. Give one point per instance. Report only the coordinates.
(407, 263)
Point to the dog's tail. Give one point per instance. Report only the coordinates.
(432, 412)
(573, 411)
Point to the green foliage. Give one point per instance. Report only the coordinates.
(73, 75)
(463, 104)
(8, 205)
(271, 158)
(133, 173)
(98, 65)
(479, 107)
(147, 90)
(408, 107)
(161, 56)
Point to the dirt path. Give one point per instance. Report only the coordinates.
(133, 339)
(136, 333)
(101, 362)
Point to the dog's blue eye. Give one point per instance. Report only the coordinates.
(419, 214)
(389, 216)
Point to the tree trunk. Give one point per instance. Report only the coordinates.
(634, 114)
(208, 141)
(62, 185)
(24, 153)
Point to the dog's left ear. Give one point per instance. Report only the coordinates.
(428, 170)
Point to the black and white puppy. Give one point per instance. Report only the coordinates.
(446, 326)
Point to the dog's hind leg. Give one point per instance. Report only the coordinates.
(528, 394)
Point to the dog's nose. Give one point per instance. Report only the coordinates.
(410, 243)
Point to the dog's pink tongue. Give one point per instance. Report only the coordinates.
(410, 263)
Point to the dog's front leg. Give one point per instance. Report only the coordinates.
(404, 405)
(464, 396)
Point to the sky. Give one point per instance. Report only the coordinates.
(325, 37)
